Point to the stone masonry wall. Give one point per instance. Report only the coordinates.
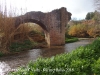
(53, 23)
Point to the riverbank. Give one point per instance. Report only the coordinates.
(71, 40)
(21, 59)
(81, 61)
(18, 47)
(86, 38)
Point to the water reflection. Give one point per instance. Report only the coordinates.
(4, 68)
(34, 54)
(48, 52)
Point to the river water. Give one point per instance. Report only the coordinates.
(14, 61)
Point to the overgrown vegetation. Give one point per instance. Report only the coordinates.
(90, 15)
(1, 54)
(14, 39)
(78, 30)
(84, 29)
(20, 46)
(6, 32)
(82, 61)
(70, 39)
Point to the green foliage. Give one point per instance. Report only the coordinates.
(67, 35)
(96, 47)
(96, 67)
(82, 61)
(90, 15)
(1, 54)
(72, 39)
(19, 46)
(93, 15)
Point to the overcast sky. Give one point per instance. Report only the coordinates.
(78, 8)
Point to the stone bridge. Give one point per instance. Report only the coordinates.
(53, 24)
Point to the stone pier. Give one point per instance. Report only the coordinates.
(53, 24)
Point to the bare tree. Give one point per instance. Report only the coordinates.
(97, 4)
(97, 12)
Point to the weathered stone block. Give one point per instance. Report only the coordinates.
(53, 24)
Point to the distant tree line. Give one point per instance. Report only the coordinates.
(93, 15)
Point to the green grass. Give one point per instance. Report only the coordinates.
(81, 61)
(70, 40)
(20, 46)
(1, 54)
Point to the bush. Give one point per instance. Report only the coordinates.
(1, 54)
(78, 30)
(19, 46)
(94, 31)
(9, 33)
(96, 67)
(82, 61)
(72, 39)
(85, 29)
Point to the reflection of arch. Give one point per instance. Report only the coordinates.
(33, 21)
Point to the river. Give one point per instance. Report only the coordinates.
(14, 61)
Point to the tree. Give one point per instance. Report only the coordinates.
(97, 4)
(96, 16)
(90, 15)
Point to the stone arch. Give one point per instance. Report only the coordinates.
(26, 20)
(53, 23)
(32, 21)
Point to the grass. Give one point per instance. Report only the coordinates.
(70, 39)
(81, 61)
(20, 46)
(1, 54)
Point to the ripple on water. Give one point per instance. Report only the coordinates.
(4, 68)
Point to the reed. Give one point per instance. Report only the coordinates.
(8, 32)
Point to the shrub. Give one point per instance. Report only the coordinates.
(91, 32)
(19, 46)
(78, 30)
(85, 29)
(9, 34)
(96, 67)
(1, 54)
(71, 39)
(94, 31)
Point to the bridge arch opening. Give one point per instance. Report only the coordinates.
(18, 22)
(36, 23)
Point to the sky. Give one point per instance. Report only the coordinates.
(78, 8)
